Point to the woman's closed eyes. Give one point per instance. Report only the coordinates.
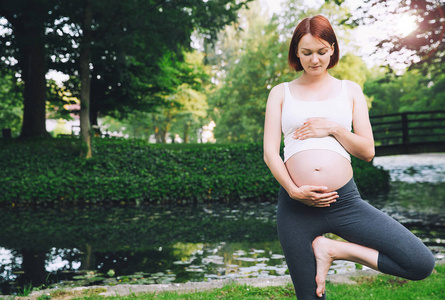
(323, 52)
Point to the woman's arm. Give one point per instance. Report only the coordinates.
(359, 143)
(272, 140)
(309, 195)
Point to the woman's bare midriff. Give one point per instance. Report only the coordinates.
(320, 168)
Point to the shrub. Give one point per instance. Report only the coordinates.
(52, 172)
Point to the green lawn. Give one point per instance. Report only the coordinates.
(381, 287)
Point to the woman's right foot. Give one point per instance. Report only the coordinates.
(324, 256)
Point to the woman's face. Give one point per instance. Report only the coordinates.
(315, 54)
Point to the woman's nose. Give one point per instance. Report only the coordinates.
(314, 58)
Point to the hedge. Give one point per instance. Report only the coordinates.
(132, 171)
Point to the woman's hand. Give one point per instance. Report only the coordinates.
(315, 128)
(315, 196)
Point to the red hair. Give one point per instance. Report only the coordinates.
(319, 27)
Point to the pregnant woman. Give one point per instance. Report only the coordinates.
(316, 112)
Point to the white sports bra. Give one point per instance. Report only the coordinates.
(296, 112)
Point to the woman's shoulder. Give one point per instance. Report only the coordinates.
(277, 94)
(279, 87)
(355, 92)
(353, 86)
(278, 90)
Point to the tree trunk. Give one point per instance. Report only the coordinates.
(85, 59)
(163, 135)
(33, 266)
(95, 93)
(165, 131)
(157, 134)
(186, 133)
(88, 258)
(30, 33)
(94, 112)
(34, 104)
(166, 128)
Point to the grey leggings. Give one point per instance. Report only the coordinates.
(401, 253)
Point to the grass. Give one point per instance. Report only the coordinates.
(392, 288)
(25, 291)
(381, 287)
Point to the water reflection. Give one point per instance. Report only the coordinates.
(414, 168)
(181, 262)
(137, 245)
(417, 196)
(144, 245)
(234, 260)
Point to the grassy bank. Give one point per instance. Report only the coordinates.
(376, 287)
(48, 172)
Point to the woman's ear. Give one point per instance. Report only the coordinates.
(332, 49)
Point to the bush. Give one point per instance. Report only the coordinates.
(52, 172)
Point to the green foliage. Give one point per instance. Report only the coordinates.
(138, 46)
(411, 91)
(25, 291)
(251, 61)
(137, 125)
(11, 105)
(60, 129)
(129, 43)
(185, 107)
(60, 97)
(182, 110)
(370, 180)
(51, 172)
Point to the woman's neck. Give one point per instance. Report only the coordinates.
(307, 79)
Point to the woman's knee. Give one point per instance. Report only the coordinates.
(423, 265)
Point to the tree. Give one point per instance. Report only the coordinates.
(130, 42)
(249, 62)
(408, 92)
(425, 44)
(179, 112)
(423, 49)
(48, 33)
(25, 41)
(84, 68)
(186, 106)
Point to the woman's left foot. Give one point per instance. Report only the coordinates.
(324, 256)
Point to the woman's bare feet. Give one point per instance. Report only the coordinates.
(327, 250)
(324, 256)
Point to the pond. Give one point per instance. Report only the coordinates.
(67, 247)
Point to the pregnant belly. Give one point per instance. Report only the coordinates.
(319, 167)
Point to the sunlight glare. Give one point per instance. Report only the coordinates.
(405, 24)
